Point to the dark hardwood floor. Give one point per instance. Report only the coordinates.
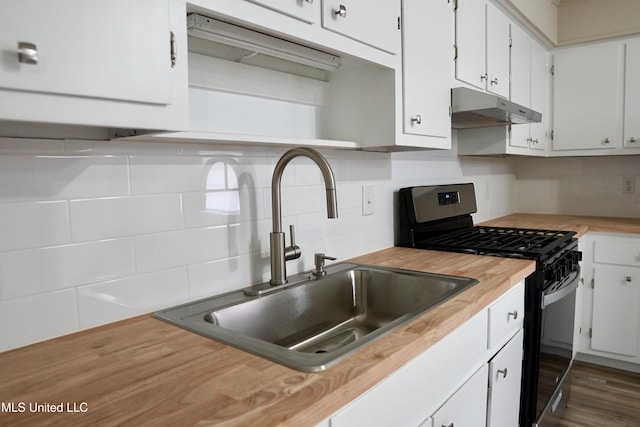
(602, 397)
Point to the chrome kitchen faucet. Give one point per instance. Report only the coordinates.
(279, 253)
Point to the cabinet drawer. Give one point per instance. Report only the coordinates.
(617, 250)
(375, 25)
(506, 316)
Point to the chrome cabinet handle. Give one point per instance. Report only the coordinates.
(309, 1)
(27, 53)
(628, 279)
(633, 139)
(417, 119)
(342, 11)
(494, 81)
(450, 425)
(484, 76)
(503, 372)
(513, 314)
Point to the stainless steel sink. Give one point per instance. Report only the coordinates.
(311, 324)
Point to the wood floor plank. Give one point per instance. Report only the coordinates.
(602, 396)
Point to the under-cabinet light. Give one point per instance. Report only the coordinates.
(233, 35)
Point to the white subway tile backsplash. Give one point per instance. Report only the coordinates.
(33, 224)
(222, 207)
(34, 271)
(177, 248)
(36, 318)
(131, 296)
(62, 177)
(92, 232)
(215, 277)
(104, 218)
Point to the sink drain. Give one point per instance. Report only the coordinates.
(320, 351)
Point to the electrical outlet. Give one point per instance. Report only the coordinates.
(367, 200)
(628, 185)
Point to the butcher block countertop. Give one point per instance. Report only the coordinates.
(143, 371)
(579, 224)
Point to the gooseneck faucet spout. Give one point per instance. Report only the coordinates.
(279, 253)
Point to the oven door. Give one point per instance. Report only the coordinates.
(556, 349)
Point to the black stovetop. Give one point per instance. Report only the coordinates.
(503, 241)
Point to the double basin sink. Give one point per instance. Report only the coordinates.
(310, 323)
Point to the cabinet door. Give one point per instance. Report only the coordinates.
(304, 10)
(520, 82)
(632, 95)
(587, 98)
(497, 51)
(616, 318)
(539, 95)
(375, 25)
(110, 49)
(468, 406)
(505, 372)
(471, 42)
(427, 65)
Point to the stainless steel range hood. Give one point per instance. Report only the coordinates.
(473, 109)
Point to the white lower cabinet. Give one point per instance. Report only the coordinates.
(610, 326)
(505, 371)
(467, 407)
(469, 378)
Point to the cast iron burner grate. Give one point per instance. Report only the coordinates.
(516, 242)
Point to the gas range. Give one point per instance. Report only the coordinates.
(439, 218)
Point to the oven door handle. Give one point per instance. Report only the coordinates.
(557, 295)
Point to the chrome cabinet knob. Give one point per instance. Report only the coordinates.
(628, 279)
(27, 53)
(309, 1)
(484, 76)
(417, 119)
(607, 140)
(503, 372)
(633, 139)
(494, 81)
(513, 314)
(342, 11)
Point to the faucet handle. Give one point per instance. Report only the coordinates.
(319, 262)
(293, 251)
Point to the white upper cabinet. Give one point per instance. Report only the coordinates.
(304, 10)
(372, 24)
(427, 66)
(482, 45)
(529, 87)
(632, 95)
(497, 67)
(588, 98)
(76, 57)
(471, 42)
(540, 76)
(90, 49)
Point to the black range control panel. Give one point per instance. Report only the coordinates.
(449, 198)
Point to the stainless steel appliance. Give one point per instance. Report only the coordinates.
(439, 218)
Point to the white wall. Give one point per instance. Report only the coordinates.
(94, 232)
(578, 185)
